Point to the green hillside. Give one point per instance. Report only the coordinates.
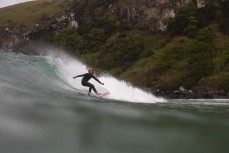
(27, 14)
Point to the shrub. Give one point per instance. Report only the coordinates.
(224, 21)
(121, 51)
(185, 21)
(216, 82)
(91, 41)
(200, 62)
(44, 17)
(110, 23)
(207, 14)
(68, 39)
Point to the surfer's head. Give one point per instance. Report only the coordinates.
(91, 71)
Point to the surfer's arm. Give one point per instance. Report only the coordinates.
(97, 80)
(78, 76)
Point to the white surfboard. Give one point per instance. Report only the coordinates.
(101, 90)
(102, 94)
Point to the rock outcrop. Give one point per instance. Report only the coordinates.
(153, 15)
(15, 37)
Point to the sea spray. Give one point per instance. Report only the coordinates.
(119, 90)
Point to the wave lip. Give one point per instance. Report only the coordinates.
(54, 74)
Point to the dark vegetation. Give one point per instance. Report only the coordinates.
(193, 53)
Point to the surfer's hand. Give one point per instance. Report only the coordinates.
(74, 77)
(102, 83)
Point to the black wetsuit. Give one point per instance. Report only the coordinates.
(86, 78)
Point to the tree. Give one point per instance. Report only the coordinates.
(224, 22)
(185, 22)
(90, 42)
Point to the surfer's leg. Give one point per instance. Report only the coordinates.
(89, 91)
(91, 86)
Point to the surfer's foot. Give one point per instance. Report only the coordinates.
(88, 94)
(98, 93)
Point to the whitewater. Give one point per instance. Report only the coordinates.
(67, 67)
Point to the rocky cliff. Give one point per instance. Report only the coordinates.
(153, 15)
(14, 38)
(24, 23)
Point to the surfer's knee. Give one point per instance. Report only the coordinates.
(92, 86)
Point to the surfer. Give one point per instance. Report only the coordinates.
(86, 78)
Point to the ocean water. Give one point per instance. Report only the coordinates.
(43, 110)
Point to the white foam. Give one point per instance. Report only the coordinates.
(119, 90)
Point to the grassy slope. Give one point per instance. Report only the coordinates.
(31, 12)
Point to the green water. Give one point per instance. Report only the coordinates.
(39, 115)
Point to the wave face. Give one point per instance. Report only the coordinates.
(119, 90)
(55, 72)
(42, 109)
